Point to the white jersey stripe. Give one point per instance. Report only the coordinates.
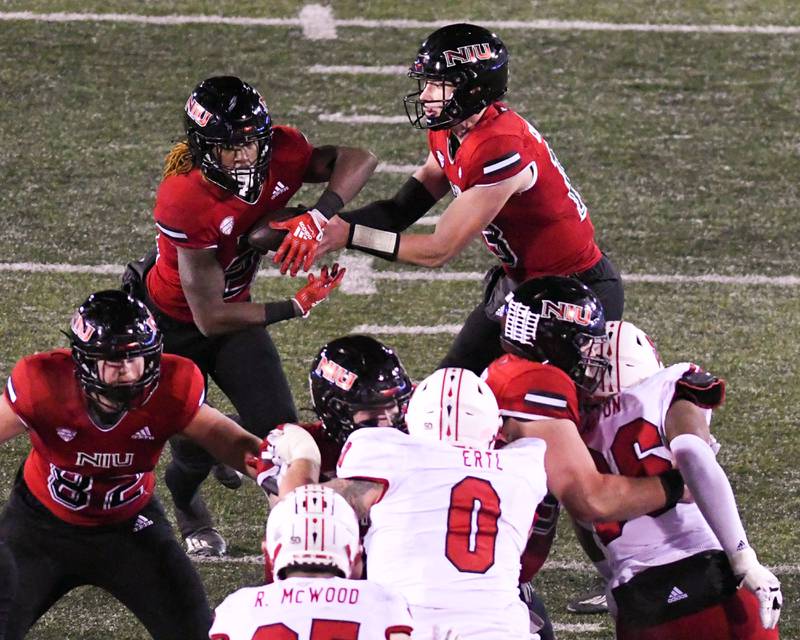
(546, 400)
(492, 168)
(176, 235)
(523, 416)
(11, 393)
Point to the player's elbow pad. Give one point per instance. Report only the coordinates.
(407, 206)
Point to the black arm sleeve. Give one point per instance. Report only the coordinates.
(407, 206)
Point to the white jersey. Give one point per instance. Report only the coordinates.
(629, 439)
(308, 608)
(450, 527)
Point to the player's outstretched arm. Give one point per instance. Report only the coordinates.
(290, 454)
(224, 439)
(689, 439)
(346, 169)
(591, 496)
(10, 423)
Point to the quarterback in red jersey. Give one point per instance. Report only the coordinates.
(82, 510)
(507, 183)
(235, 170)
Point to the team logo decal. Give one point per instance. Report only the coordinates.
(336, 373)
(468, 53)
(196, 112)
(226, 226)
(79, 327)
(66, 434)
(568, 312)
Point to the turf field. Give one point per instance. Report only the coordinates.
(683, 142)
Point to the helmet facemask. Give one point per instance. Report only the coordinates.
(111, 326)
(452, 112)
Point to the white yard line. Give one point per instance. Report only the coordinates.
(354, 118)
(358, 69)
(362, 265)
(554, 565)
(377, 329)
(305, 20)
(384, 167)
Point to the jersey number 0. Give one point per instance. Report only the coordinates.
(472, 525)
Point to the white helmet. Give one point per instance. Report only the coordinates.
(633, 357)
(454, 405)
(312, 526)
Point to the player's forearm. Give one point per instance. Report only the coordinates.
(710, 489)
(234, 449)
(225, 317)
(609, 498)
(409, 204)
(300, 472)
(351, 170)
(424, 250)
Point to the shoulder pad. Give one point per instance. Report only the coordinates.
(701, 388)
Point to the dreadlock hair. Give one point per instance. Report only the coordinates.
(178, 160)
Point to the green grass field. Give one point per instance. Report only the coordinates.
(684, 145)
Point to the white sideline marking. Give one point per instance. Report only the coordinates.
(384, 167)
(358, 69)
(362, 119)
(398, 330)
(551, 25)
(427, 275)
(318, 22)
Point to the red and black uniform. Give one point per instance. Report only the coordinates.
(193, 213)
(527, 390)
(544, 230)
(83, 511)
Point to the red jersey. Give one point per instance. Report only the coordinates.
(194, 213)
(85, 474)
(544, 230)
(528, 390)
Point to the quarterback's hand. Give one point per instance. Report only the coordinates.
(335, 236)
(299, 246)
(755, 577)
(318, 288)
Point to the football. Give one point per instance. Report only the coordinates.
(264, 238)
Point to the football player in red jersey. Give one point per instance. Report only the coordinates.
(674, 571)
(356, 381)
(82, 510)
(553, 333)
(235, 168)
(508, 185)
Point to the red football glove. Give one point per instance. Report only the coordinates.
(318, 288)
(299, 246)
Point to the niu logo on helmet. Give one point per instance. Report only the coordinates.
(336, 373)
(468, 53)
(567, 312)
(196, 112)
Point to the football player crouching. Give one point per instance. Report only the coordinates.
(688, 566)
(356, 382)
(444, 551)
(312, 551)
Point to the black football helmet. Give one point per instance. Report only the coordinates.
(559, 321)
(224, 111)
(469, 57)
(354, 373)
(111, 325)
